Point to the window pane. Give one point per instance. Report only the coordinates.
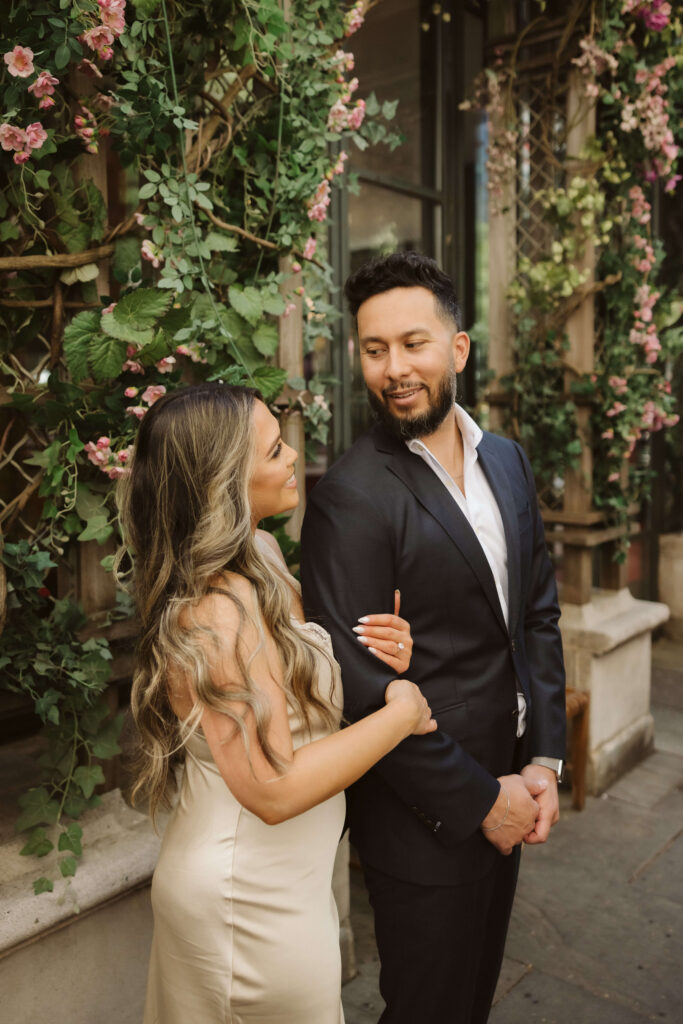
(381, 220)
(396, 59)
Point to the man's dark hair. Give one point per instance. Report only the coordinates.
(403, 270)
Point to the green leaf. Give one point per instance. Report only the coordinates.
(221, 243)
(78, 335)
(147, 190)
(70, 839)
(43, 884)
(273, 303)
(97, 528)
(126, 257)
(142, 308)
(37, 809)
(246, 302)
(106, 743)
(38, 844)
(86, 778)
(266, 339)
(124, 331)
(106, 357)
(68, 867)
(62, 56)
(270, 381)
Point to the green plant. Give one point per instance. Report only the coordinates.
(225, 124)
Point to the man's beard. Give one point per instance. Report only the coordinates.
(406, 428)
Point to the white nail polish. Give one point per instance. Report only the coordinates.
(363, 618)
(363, 639)
(358, 629)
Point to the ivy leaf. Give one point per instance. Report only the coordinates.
(98, 528)
(106, 357)
(266, 339)
(37, 809)
(38, 844)
(142, 308)
(68, 867)
(46, 706)
(70, 839)
(78, 335)
(43, 884)
(86, 778)
(246, 302)
(221, 243)
(270, 381)
(106, 743)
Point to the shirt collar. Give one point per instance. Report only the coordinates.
(471, 434)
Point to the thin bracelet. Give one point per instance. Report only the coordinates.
(492, 828)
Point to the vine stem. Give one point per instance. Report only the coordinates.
(195, 234)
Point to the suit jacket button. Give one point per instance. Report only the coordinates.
(513, 645)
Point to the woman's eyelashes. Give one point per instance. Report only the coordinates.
(276, 450)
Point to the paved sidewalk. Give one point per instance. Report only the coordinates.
(597, 930)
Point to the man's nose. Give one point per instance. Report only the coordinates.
(397, 365)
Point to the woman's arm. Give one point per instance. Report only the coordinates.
(315, 772)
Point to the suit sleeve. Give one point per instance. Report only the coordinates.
(543, 642)
(347, 570)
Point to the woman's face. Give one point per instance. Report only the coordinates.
(272, 487)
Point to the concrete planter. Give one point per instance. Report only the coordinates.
(80, 953)
(608, 645)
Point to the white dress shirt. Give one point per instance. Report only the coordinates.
(479, 506)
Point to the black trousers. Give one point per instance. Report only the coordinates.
(441, 947)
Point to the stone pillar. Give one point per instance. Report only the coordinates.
(291, 359)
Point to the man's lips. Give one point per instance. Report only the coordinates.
(403, 395)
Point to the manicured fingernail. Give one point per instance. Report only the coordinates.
(372, 650)
(358, 629)
(363, 618)
(363, 639)
(397, 591)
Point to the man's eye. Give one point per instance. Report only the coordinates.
(373, 351)
(414, 344)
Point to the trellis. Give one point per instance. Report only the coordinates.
(555, 121)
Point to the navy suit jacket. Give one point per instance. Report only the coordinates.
(380, 519)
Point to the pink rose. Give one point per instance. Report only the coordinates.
(19, 61)
(21, 158)
(98, 38)
(136, 410)
(153, 393)
(152, 253)
(165, 365)
(130, 392)
(46, 103)
(103, 442)
(310, 247)
(131, 366)
(89, 69)
(357, 115)
(44, 84)
(110, 308)
(11, 137)
(35, 135)
(113, 20)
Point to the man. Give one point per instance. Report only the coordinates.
(430, 505)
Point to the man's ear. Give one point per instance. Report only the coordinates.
(461, 350)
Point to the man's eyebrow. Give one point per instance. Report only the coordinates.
(371, 339)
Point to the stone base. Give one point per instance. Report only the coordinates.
(608, 651)
(671, 581)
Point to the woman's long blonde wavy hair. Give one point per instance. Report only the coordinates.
(186, 519)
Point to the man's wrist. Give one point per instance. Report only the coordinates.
(555, 764)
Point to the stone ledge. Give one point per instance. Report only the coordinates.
(120, 850)
(609, 619)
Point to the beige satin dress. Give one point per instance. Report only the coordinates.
(245, 923)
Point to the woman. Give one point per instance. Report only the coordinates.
(230, 675)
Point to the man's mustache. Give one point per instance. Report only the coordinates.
(389, 392)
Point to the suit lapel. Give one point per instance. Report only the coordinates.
(433, 496)
(495, 473)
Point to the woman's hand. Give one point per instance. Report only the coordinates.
(387, 637)
(403, 689)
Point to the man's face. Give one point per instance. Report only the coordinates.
(410, 356)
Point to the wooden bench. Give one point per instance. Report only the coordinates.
(577, 713)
